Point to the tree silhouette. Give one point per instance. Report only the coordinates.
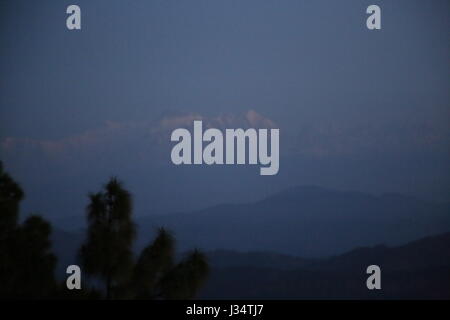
(107, 253)
(185, 279)
(26, 263)
(10, 196)
(154, 261)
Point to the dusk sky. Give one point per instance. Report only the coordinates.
(357, 109)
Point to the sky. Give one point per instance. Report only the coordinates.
(357, 109)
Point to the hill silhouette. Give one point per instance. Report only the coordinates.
(311, 242)
(307, 221)
(418, 270)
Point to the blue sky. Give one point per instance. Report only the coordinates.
(357, 109)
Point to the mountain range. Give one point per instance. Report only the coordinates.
(418, 270)
(305, 221)
(308, 242)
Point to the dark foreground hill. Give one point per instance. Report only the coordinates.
(419, 270)
(309, 222)
(306, 221)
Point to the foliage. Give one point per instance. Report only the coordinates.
(26, 262)
(107, 253)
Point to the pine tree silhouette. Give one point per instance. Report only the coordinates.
(26, 262)
(107, 253)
